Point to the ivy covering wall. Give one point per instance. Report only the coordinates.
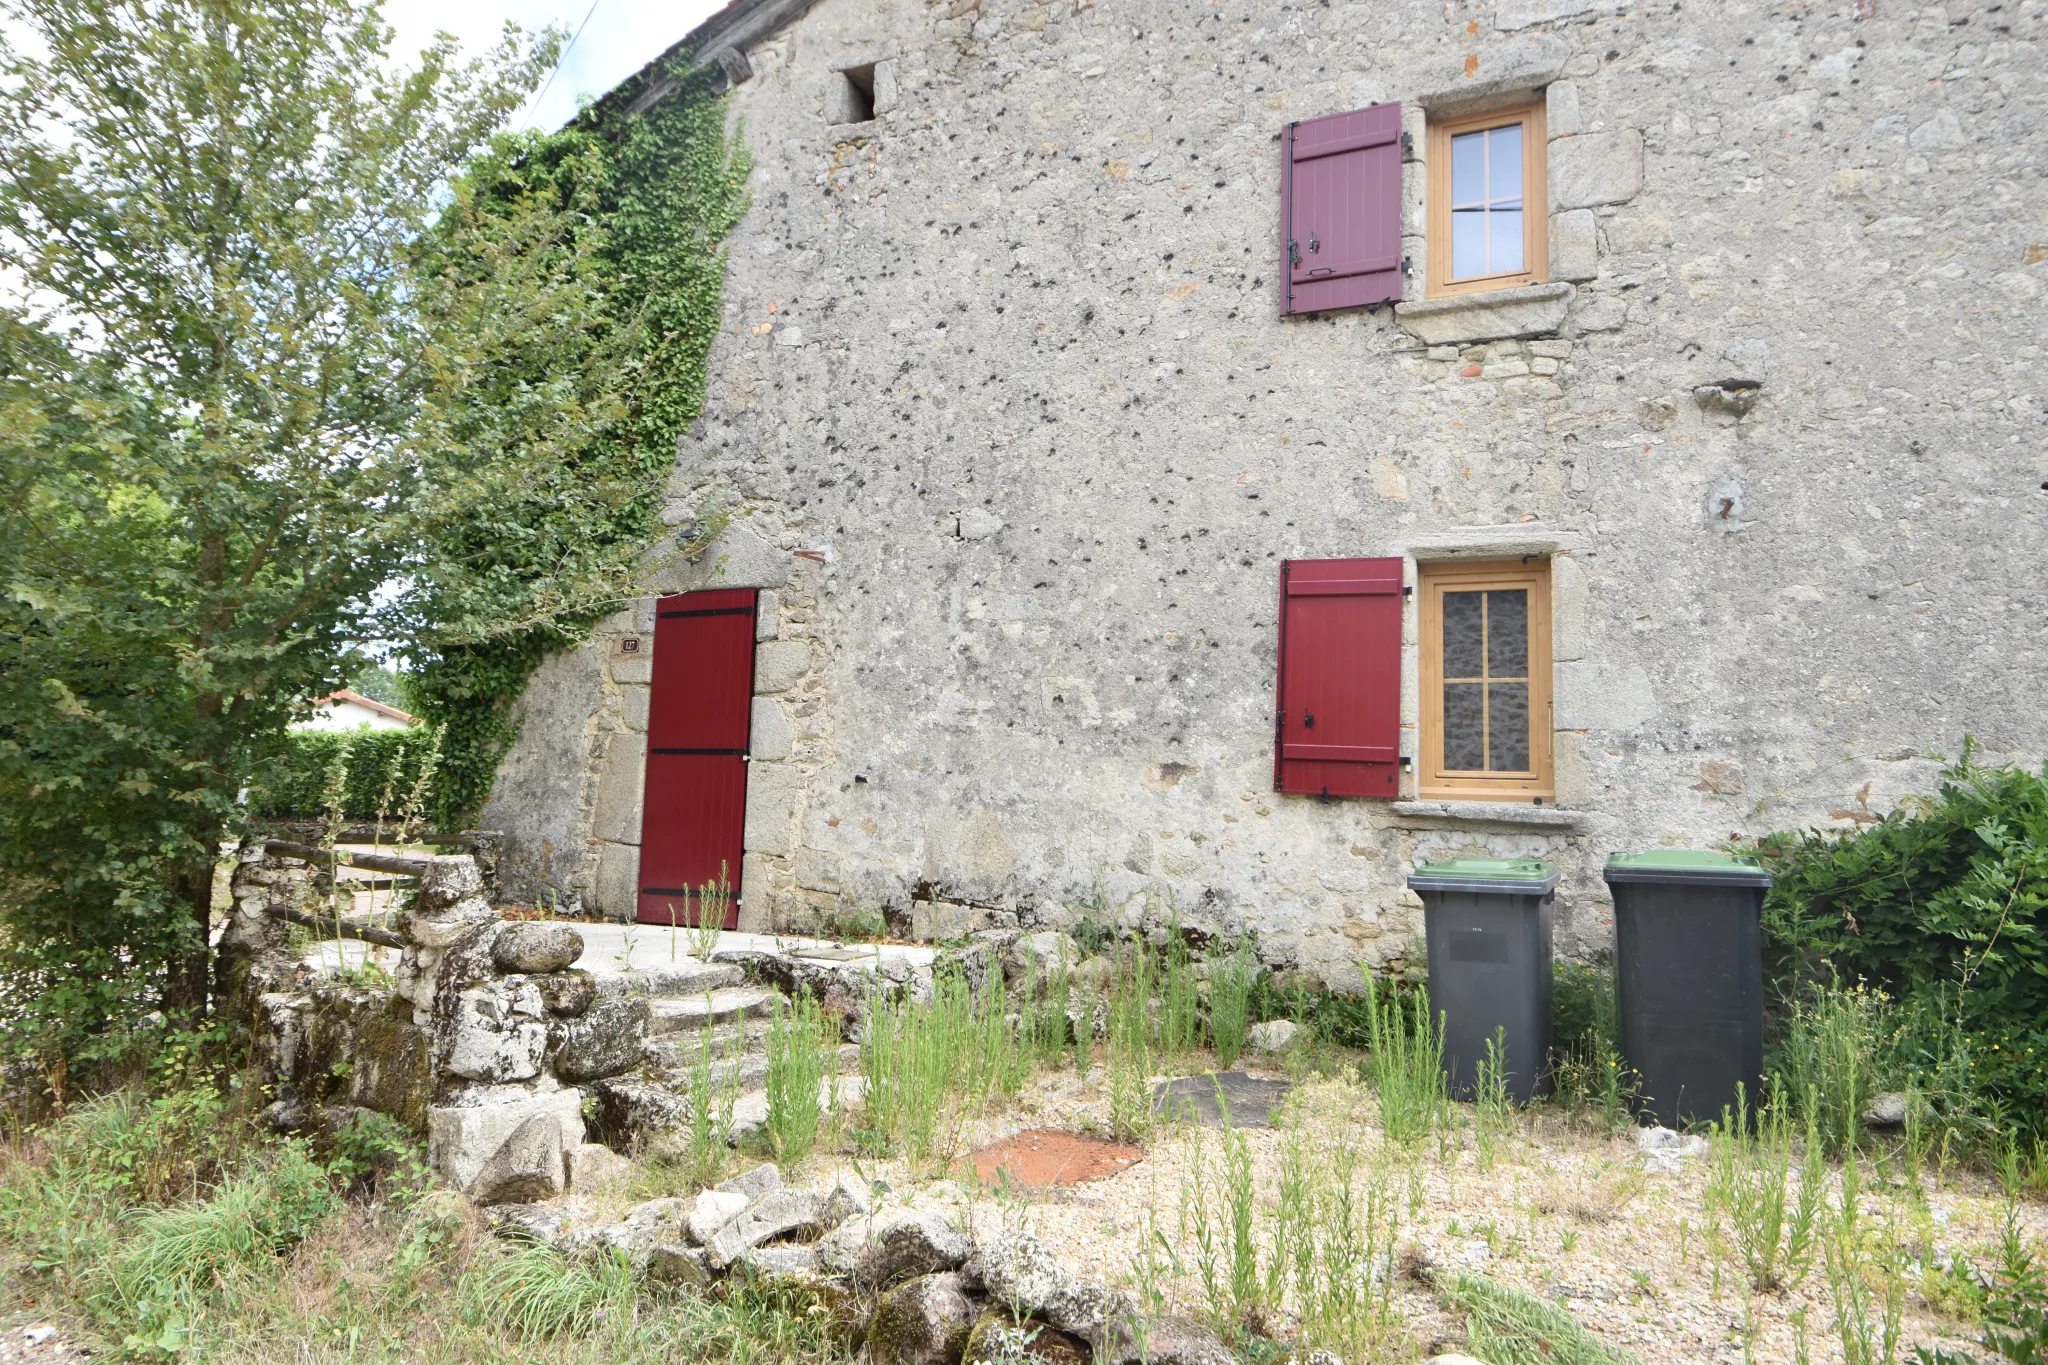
(648, 201)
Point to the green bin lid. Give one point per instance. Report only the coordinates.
(1687, 867)
(1504, 876)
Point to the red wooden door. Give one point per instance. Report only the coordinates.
(693, 818)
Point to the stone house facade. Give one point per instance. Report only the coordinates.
(1013, 431)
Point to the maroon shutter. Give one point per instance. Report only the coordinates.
(1340, 192)
(693, 818)
(1339, 728)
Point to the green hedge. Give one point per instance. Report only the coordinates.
(1942, 905)
(295, 785)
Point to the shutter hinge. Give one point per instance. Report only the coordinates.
(1408, 591)
(1407, 265)
(1408, 144)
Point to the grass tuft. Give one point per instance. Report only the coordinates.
(535, 1293)
(1506, 1326)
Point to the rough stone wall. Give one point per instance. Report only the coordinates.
(1011, 426)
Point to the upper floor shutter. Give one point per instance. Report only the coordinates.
(1340, 194)
(1338, 732)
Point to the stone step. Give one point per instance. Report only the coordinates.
(686, 976)
(636, 1107)
(688, 1013)
(678, 1052)
(750, 1111)
(747, 1072)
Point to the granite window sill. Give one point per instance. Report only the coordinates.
(1533, 310)
(1515, 814)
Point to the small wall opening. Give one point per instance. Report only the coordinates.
(855, 95)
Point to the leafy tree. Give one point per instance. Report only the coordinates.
(228, 384)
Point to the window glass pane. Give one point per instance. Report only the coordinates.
(1468, 243)
(1504, 163)
(1468, 169)
(1463, 640)
(1465, 726)
(1505, 251)
(1507, 727)
(1507, 633)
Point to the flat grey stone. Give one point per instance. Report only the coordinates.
(674, 1263)
(755, 1183)
(1275, 1035)
(782, 1263)
(780, 1214)
(1251, 1101)
(882, 1249)
(712, 1212)
(547, 1224)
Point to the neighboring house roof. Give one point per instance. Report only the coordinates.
(345, 695)
(721, 41)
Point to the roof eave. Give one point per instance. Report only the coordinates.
(720, 41)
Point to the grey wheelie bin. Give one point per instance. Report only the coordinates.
(1689, 978)
(1487, 921)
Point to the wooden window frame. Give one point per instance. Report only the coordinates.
(1433, 780)
(1535, 200)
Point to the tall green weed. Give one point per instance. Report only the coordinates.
(1407, 1062)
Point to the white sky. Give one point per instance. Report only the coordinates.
(621, 37)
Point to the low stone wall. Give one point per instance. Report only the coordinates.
(478, 1040)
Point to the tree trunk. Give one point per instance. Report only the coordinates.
(185, 989)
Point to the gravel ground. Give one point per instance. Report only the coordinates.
(1563, 1210)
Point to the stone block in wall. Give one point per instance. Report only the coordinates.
(756, 914)
(633, 702)
(617, 889)
(1534, 310)
(498, 1033)
(885, 94)
(1574, 246)
(1573, 779)
(1529, 62)
(1569, 598)
(462, 1137)
(771, 738)
(604, 1042)
(1595, 168)
(768, 615)
(780, 665)
(739, 558)
(773, 791)
(1561, 109)
(633, 669)
(616, 817)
